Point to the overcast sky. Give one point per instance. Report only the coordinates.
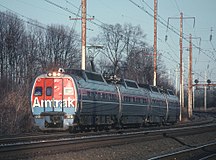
(124, 11)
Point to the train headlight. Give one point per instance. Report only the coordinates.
(68, 116)
(49, 74)
(54, 74)
(38, 117)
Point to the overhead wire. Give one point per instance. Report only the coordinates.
(67, 10)
(169, 46)
(29, 20)
(101, 25)
(177, 6)
(172, 29)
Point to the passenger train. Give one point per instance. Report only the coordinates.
(77, 100)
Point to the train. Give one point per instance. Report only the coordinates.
(77, 100)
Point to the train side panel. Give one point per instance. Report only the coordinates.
(99, 101)
(135, 103)
(174, 107)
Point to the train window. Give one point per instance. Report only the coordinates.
(131, 84)
(103, 95)
(94, 76)
(88, 93)
(38, 91)
(48, 91)
(93, 94)
(170, 92)
(138, 100)
(98, 95)
(113, 97)
(144, 100)
(127, 99)
(146, 86)
(154, 89)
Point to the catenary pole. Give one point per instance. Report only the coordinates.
(155, 43)
(83, 63)
(190, 79)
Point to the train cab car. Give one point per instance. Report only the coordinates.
(78, 100)
(54, 101)
(74, 100)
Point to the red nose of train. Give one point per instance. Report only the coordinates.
(54, 92)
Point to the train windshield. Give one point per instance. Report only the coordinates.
(38, 91)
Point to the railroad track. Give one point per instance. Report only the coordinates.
(202, 152)
(26, 149)
(40, 136)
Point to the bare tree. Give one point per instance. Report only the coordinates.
(12, 31)
(26, 51)
(140, 65)
(118, 41)
(113, 40)
(61, 47)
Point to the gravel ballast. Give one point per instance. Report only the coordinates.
(135, 151)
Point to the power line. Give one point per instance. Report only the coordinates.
(77, 15)
(29, 20)
(201, 50)
(172, 29)
(177, 6)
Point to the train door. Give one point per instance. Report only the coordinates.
(53, 96)
(59, 94)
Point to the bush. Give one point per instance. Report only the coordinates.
(15, 113)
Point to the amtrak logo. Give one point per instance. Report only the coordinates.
(54, 103)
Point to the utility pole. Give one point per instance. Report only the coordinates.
(155, 43)
(181, 79)
(83, 63)
(83, 19)
(181, 52)
(190, 87)
(176, 70)
(205, 93)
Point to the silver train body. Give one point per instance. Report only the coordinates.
(110, 103)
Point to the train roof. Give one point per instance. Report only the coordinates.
(128, 83)
(156, 89)
(86, 75)
(94, 76)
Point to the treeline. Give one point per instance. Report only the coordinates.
(27, 50)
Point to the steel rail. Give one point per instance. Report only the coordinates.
(200, 152)
(85, 142)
